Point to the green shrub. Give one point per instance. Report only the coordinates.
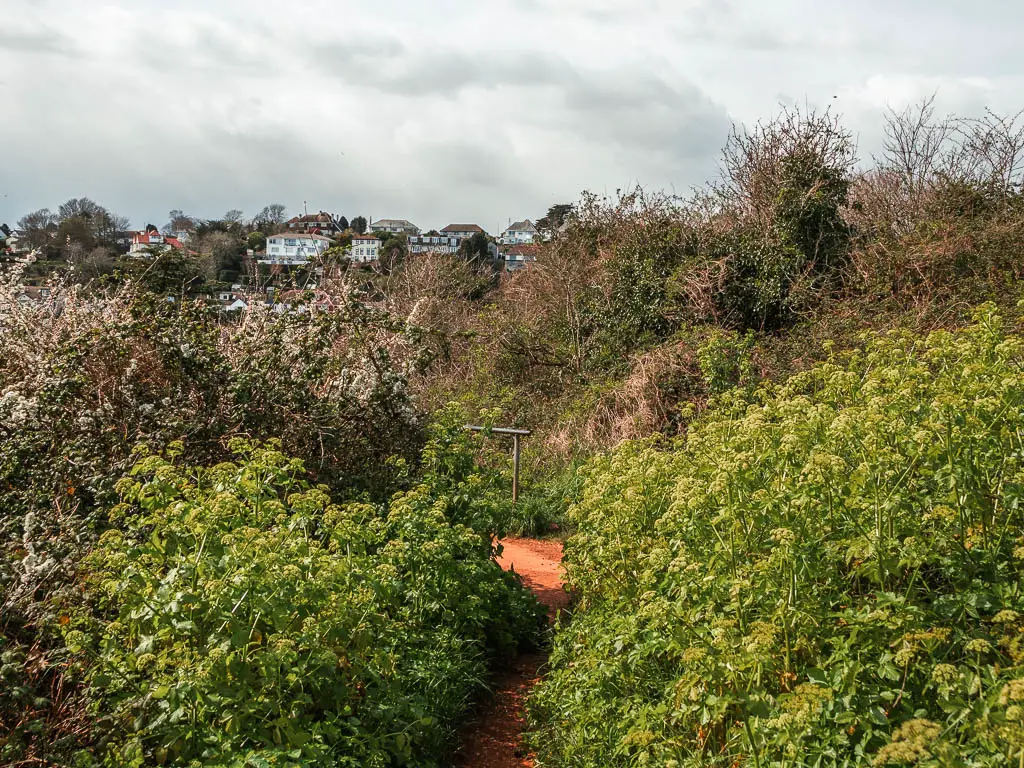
(80, 387)
(237, 617)
(827, 572)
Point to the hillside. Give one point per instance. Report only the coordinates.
(777, 423)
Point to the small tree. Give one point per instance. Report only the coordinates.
(784, 187)
(179, 222)
(38, 227)
(79, 207)
(270, 218)
(359, 225)
(555, 219)
(257, 241)
(476, 249)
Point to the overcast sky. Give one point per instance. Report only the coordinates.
(449, 111)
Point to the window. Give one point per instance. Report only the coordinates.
(291, 241)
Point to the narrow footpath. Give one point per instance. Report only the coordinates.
(493, 738)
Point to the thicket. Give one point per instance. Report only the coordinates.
(88, 377)
(825, 571)
(236, 616)
(612, 332)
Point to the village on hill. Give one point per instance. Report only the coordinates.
(269, 259)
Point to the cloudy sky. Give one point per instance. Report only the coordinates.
(449, 110)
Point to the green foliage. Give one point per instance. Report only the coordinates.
(235, 616)
(166, 272)
(543, 503)
(79, 389)
(256, 241)
(826, 572)
(725, 361)
(770, 273)
(634, 310)
(476, 249)
(808, 209)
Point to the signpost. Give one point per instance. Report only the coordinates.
(516, 435)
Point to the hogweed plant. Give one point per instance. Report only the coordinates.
(825, 572)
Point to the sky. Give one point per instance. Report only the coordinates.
(451, 111)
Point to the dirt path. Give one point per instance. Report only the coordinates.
(492, 740)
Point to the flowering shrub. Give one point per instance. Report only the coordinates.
(827, 571)
(237, 617)
(84, 378)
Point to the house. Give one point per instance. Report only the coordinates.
(236, 306)
(462, 230)
(519, 256)
(365, 248)
(395, 227)
(520, 233)
(30, 296)
(434, 244)
(17, 243)
(321, 223)
(293, 248)
(145, 242)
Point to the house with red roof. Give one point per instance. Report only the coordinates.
(150, 242)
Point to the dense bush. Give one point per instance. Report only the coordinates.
(235, 616)
(825, 572)
(85, 378)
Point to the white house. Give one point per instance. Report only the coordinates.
(434, 244)
(365, 248)
(153, 241)
(520, 233)
(395, 227)
(294, 249)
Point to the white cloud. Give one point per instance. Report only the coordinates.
(451, 110)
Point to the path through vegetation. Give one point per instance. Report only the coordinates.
(493, 739)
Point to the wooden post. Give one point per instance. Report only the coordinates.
(515, 468)
(516, 434)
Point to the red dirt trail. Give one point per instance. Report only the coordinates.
(492, 739)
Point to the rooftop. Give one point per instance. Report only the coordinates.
(462, 228)
(393, 223)
(299, 236)
(522, 226)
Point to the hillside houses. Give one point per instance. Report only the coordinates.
(448, 240)
(294, 249)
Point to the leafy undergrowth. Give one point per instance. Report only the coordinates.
(235, 616)
(542, 506)
(826, 572)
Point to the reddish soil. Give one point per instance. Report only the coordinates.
(493, 739)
